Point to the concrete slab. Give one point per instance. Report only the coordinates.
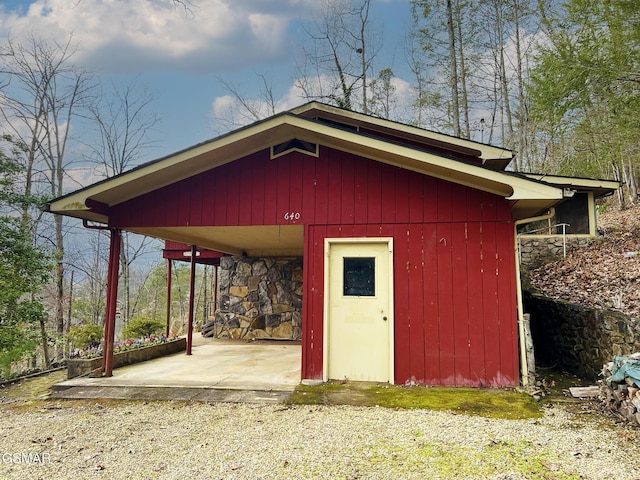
(217, 370)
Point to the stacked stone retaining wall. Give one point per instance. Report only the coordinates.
(537, 250)
(578, 339)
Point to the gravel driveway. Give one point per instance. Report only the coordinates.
(140, 440)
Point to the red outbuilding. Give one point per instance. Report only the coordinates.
(407, 237)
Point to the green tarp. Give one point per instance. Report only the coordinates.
(626, 367)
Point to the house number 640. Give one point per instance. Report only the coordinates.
(292, 216)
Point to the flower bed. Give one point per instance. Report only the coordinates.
(125, 353)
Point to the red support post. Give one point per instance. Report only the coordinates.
(169, 273)
(192, 288)
(215, 291)
(112, 299)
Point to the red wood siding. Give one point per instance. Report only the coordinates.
(454, 301)
(454, 272)
(337, 188)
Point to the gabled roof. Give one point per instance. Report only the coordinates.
(324, 125)
(494, 158)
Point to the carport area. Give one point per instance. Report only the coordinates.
(217, 370)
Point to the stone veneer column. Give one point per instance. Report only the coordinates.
(259, 298)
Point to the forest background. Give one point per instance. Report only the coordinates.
(557, 82)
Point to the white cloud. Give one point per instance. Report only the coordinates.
(127, 35)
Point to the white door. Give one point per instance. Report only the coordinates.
(359, 317)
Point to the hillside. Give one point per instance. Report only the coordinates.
(605, 274)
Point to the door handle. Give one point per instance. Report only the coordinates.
(384, 318)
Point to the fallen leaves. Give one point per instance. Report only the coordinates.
(606, 274)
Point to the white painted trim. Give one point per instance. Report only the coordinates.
(591, 203)
(568, 235)
(325, 311)
(262, 135)
(315, 153)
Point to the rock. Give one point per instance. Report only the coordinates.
(258, 323)
(226, 263)
(272, 320)
(253, 283)
(239, 280)
(282, 308)
(243, 268)
(259, 333)
(297, 333)
(239, 291)
(284, 330)
(259, 268)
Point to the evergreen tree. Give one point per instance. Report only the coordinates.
(23, 266)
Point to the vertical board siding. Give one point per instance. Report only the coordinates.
(270, 200)
(506, 289)
(475, 304)
(454, 301)
(416, 297)
(283, 189)
(461, 320)
(431, 306)
(336, 188)
(492, 340)
(445, 303)
(454, 270)
(374, 192)
(258, 191)
(401, 326)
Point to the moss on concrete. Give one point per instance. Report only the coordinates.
(31, 391)
(491, 403)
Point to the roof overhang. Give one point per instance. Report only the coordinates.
(93, 202)
(599, 188)
(490, 156)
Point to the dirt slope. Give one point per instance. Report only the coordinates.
(605, 274)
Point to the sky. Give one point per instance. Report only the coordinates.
(183, 56)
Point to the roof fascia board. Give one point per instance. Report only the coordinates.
(77, 200)
(280, 127)
(486, 152)
(574, 181)
(510, 186)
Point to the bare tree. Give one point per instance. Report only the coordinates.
(343, 47)
(124, 124)
(44, 95)
(247, 109)
(444, 32)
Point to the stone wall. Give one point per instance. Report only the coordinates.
(577, 339)
(538, 250)
(259, 298)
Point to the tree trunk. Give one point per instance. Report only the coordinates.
(67, 326)
(45, 342)
(508, 142)
(364, 21)
(463, 73)
(59, 277)
(632, 183)
(453, 67)
(620, 192)
(522, 117)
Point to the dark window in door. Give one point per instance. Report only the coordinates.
(359, 277)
